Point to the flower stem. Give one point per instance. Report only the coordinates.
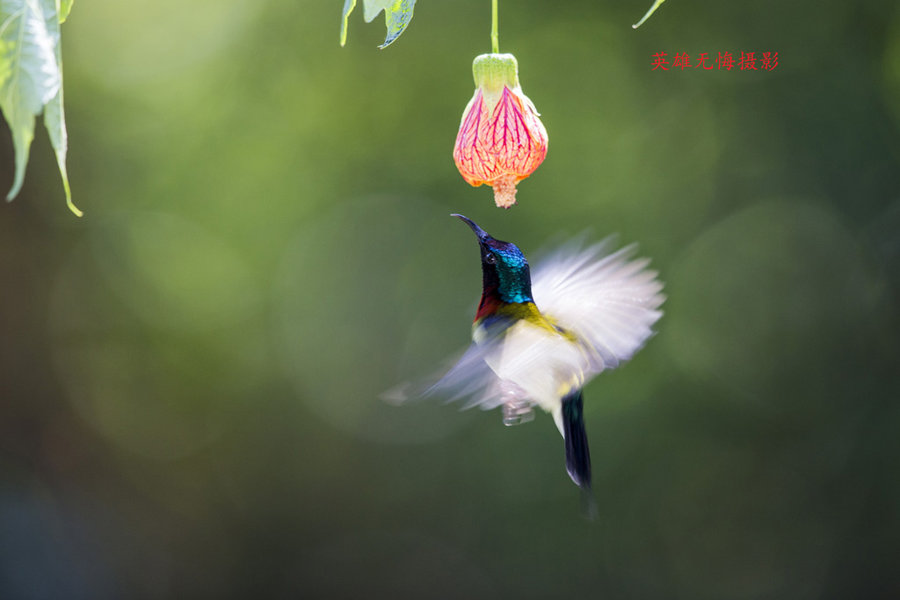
(495, 36)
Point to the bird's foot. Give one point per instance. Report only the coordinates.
(516, 413)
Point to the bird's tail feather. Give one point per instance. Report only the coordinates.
(578, 455)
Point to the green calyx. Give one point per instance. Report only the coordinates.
(494, 71)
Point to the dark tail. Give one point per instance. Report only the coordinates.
(578, 455)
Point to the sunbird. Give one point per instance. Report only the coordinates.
(539, 339)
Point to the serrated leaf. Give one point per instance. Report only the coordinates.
(31, 80)
(55, 122)
(349, 5)
(54, 113)
(397, 15)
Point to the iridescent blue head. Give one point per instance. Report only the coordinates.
(503, 266)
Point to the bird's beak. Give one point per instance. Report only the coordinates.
(481, 233)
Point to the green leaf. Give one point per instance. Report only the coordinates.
(31, 80)
(397, 15)
(65, 7)
(54, 113)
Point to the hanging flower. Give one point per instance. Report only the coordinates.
(501, 140)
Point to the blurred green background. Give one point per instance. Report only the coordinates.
(189, 374)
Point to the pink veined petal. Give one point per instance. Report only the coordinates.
(516, 136)
(500, 148)
(474, 162)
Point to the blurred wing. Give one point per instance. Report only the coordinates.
(608, 300)
(469, 378)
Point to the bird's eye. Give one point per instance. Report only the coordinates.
(490, 258)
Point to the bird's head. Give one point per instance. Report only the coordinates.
(503, 266)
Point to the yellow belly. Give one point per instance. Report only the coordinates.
(534, 355)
